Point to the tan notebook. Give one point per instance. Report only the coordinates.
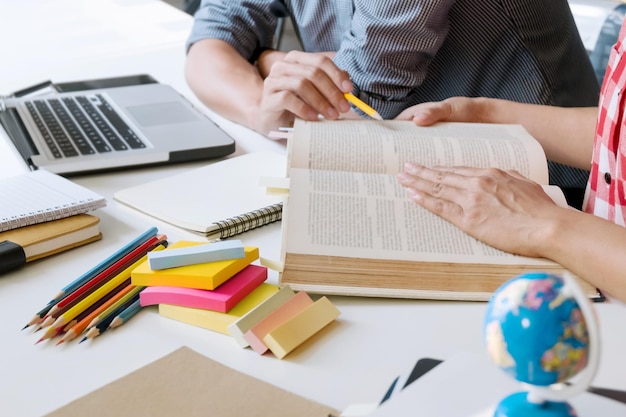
(186, 383)
(28, 243)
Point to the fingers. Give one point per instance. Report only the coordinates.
(421, 181)
(309, 84)
(426, 114)
(433, 189)
(453, 109)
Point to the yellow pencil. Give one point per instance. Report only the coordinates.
(363, 106)
(64, 318)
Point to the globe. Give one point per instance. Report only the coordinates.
(537, 331)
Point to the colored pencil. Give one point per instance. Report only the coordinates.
(103, 325)
(136, 290)
(83, 304)
(126, 315)
(75, 330)
(91, 308)
(39, 316)
(107, 262)
(111, 271)
(73, 298)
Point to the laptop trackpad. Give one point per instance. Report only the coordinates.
(161, 114)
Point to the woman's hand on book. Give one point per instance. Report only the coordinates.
(302, 85)
(500, 208)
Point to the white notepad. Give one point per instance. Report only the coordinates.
(470, 385)
(196, 199)
(40, 196)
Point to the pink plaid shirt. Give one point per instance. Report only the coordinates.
(606, 193)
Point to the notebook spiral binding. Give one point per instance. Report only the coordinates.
(248, 221)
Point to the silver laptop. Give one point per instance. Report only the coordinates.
(110, 128)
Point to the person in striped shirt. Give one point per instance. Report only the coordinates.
(512, 213)
(391, 54)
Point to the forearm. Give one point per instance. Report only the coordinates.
(224, 81)
(591, 248)
(566, 134)
(389, 45)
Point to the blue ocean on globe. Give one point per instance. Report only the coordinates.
(535, 332)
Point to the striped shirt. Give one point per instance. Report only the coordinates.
(606, 195)
(403, 52)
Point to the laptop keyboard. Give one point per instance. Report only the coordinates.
(81, 125)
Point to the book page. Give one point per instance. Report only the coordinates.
(384, 146)
(363, 215)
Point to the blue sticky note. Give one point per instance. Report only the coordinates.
(198, 254)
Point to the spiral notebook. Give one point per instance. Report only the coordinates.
(40, 196)
(219, 200)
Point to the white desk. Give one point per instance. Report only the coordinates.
(352, 361)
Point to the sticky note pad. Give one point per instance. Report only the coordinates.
(198, 254)
(245, 323)
(214, 320)
(206, 276)
(282, 314)
(291, 334)
(221, 299)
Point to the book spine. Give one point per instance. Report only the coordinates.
(248, 221)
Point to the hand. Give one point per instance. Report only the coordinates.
(502, 209)
(454, 109)
(304, 85)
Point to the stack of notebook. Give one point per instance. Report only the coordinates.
(42, 214)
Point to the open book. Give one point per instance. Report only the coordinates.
(350, 229)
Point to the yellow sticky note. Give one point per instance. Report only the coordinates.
(291, 334)
(204, 276)
(214, 320)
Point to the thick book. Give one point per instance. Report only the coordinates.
(40, 196)
(26, 244)
(349, 228)
(193, 200)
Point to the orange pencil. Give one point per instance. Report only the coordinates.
(72, 332)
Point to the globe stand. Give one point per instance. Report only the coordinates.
(518, 405)
(551, 400)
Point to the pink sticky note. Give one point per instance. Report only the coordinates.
(221, 299)
(290, 308)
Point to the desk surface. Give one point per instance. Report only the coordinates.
(351, 361)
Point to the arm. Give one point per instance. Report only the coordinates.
(224, 81)
(511, 213)
(390, 44)
(261, 92)
(566, 134)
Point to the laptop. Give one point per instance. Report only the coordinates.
(108, 124)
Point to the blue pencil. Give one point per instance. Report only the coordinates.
(125, 315)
